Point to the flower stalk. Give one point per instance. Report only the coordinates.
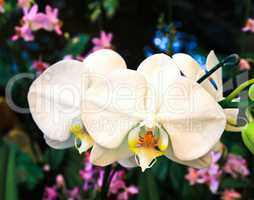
(231, 60)
(240, 88)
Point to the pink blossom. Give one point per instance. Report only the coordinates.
(33, 20)
(53, 22)
(73, 194)
(1, 6)
(209, 176)
(249, 25)
(192, 176)
(129, 191)
(117, 182)
(25, 4)
(50, 193)
(24, 32)
(236, 166)
(244, 64)
(39, 66)
(230, 195)
(103, 42)
(60, 182)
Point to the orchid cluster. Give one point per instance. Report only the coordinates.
(235, 165)
(92, 177)
(209, 176)
(60, 189)
(33, 20)
(128, 116)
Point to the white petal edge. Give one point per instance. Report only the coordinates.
(102, 62)
(128, 162)
(60, 145)
(101, 156)
(54, 98)
(192, 118)
(212, 61)
(188, 66)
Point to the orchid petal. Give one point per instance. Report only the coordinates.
(54, 98)
(60, 145)
(159, 70)
(102, 62)
(202, 162)
(188, 66)
(102, 156)
(146, 157)
(83, 141)
(192, 118)
(128, 162)
(212, 61)
(112, 108)
(192, 70)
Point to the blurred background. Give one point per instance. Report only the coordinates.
(35, 34)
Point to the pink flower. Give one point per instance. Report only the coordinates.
(103, 42)
(53, 22)
(129, 191)
(249, 25)
(209, 176)
(244, 64)
(236, 166)
(27, 25)
(50, 193)
(34, 21)
(25, 4)
(1, 6)
(60, 182)
(117, 182)
(230, 195)
(73, 194)
(24, 32)
(39, 66)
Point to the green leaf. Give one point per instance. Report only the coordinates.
(176, 173)
(147, 187)
(110, 7)
(28, 172)
(54, 158)
(234, 183)
(72, 164)
(3, 166)
(11, 185)
(8, 184)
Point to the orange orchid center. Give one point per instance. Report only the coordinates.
(148, 140)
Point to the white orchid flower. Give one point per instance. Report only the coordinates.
(151, 112)
(191, 69)
(55, 96)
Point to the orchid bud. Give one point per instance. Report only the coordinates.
(248, 136)
(251, 92)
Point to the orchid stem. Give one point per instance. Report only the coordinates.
(231, 60)
(240, 88)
